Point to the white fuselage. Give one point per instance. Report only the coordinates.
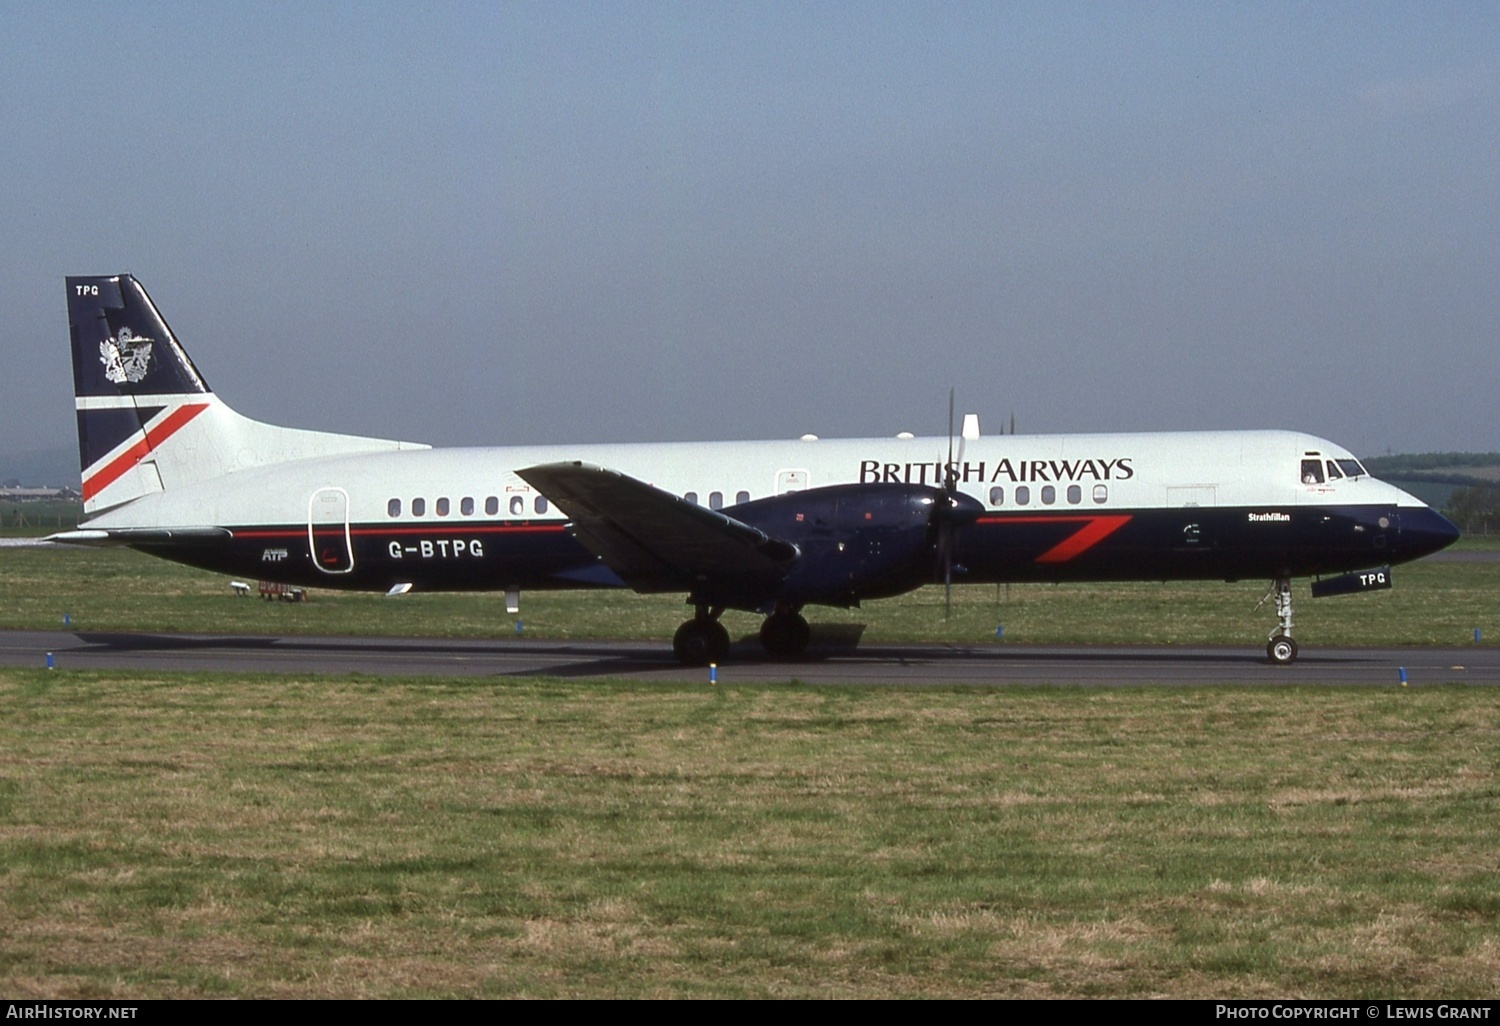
(1096, 472)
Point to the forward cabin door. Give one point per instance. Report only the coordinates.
(328, 531)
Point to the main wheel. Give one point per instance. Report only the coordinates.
(1282, 651)
(700, 642)
(785, 635)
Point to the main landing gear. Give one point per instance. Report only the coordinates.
(703, 639)
(785, 635)
(1281, 649)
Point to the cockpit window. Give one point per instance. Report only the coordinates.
(1352, 468)
(1312, 472)
(1333, 471)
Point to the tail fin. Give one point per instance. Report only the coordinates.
(147, 421)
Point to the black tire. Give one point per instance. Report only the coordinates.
(700, 642)
(720, 642)
(1281, 651)
(785, 635)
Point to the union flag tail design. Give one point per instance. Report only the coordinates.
(134, 388)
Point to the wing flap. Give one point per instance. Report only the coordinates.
(654, 540)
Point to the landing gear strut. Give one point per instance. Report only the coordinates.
(1281, 649)
(785, 634)
(701, 640)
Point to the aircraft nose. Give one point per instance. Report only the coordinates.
(1425, 531)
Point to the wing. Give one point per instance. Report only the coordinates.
(656, 541)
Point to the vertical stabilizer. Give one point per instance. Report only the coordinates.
(147, 421)
(134, 387)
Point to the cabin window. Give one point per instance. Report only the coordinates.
(1075, 495)
(997, 496)
(1023, 495)
(541, 504)
(418, 507)
(1101, 494)
(393, 508)
(466, 506)
(715, 500)
(692, 497)
(517, 505)
(741, 497)
(491, 505)
(1312, 472)
(1049, 495)
(442, 506)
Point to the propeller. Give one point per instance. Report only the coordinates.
(945, 515)
(956, 509)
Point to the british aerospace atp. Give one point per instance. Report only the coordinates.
(769, 527)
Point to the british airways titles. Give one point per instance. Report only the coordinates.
(876, 472)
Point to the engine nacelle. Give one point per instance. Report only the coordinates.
(857, 541)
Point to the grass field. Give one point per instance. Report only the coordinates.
(174, 836)
(218, 835)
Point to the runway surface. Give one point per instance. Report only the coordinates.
(837, 661)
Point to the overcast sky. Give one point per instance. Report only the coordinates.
(513, 223)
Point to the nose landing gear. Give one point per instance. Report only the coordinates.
(1281, 649)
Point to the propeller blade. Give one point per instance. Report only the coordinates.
(945, 516)
(948, 481)
(947, 532)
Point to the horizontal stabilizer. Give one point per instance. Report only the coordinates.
(656, 541)
(176, 536)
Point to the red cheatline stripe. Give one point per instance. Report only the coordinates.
(155, 435)
(1094, 530)
(460, 528)
(433, 531)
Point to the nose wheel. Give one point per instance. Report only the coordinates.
(1281, 651)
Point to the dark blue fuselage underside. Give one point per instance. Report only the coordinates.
(1218, 543)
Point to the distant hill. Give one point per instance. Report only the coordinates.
(1454, 468)
(1433, 477)
(46, 467)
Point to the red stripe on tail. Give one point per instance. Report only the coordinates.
(155, 435)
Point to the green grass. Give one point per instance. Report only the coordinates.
(167, 836)
(32, 519)
(115, 589)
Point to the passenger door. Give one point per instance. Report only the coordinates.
(328, 531)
